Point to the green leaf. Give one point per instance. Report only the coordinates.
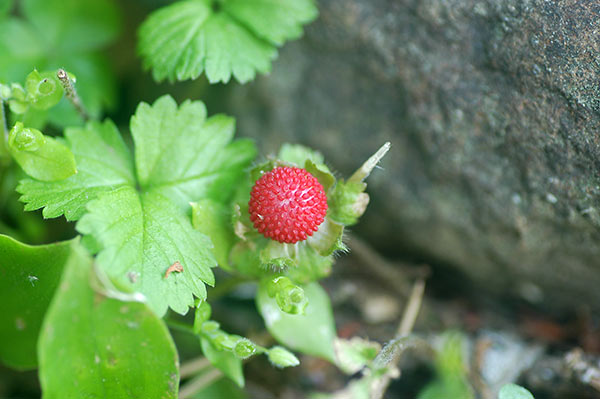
(44, 89)
(212, 219)
(95, 346)
(312, 333)
(74, 25)
(21, 49)
(29, 275)
(229, 37)
(451, 380)
(225, 361)
(274, 22)
(513, 391)
(103, 164)
(41, 157)
(140, 227)
(187, 155)
(142, 235)
(222, 388)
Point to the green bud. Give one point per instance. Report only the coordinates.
(202, 314)
(5, 92)
(289, 297)
(281, 357)
(244, 348)
(209, 326)
(18, 92)
(43, 89)
(25, 139)
(225, 341)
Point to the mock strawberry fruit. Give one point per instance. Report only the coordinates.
(287, 204)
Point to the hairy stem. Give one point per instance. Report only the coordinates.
(71, 93)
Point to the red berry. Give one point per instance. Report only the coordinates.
(287, 204)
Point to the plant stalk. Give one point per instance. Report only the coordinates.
(71, 93)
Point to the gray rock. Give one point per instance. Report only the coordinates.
(493, 111)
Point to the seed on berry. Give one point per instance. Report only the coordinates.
(287, 204)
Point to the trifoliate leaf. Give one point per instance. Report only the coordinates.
(311, 333)
(221, 38)
(187, 155)
(142, 236)
(93, 345)
(41, 157)
(103, 164)
(29, 276)
(140, 225)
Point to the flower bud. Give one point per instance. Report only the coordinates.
(281, 357)
(244, 348)
(25, 139)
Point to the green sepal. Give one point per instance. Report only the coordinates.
(41, 157)
(259, 170)
(321, 173)
(276, 256)
(347, 202)
(298, 154)
(43, 89)
(328, 238)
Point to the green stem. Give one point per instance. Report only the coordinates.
(180, 326)
(4, 153)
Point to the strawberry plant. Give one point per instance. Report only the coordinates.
(156, 205)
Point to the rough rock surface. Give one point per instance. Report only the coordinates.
(493, 110)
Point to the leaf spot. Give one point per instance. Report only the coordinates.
(20, 324)
(32, 280)
(175, 267)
